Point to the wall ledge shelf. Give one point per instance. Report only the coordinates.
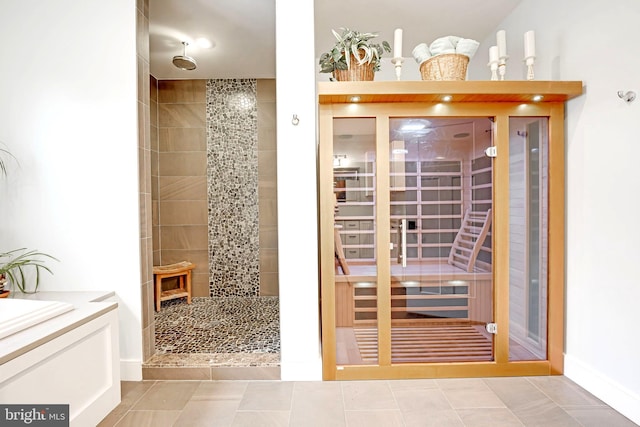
(461, 91)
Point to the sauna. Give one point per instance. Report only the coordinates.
(437, 252)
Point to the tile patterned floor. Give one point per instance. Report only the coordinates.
(520, 401)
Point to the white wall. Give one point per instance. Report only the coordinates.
(68, 114)
(297, 199)
(596, 42)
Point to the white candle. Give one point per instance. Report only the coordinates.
(397, 43)
(493, 54)
(529, 44)
(502, 43)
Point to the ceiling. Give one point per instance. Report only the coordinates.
(243, 31)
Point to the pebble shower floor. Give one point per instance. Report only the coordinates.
(228, 330)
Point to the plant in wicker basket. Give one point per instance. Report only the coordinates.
(354, 56)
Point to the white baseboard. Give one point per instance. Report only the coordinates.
(130, 370)
(610, 392)
(301, 371)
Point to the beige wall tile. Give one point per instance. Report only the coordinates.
(267, 189)
(181, 115)
(266, 115)
(183, 188)
(266, 89)
(182, 139)
(267, 164)
(184, 212)
(183, 237)
(147, 304)
(156, 255)
(182, 91)
(268, 260)
(153, 136)
(148, 340)
(142, 33)
(269, 286)
(153, 93)
(155, 191)
(197, 256)
(200, 285)
(155, 206)
(183, 164)
(268, 212)
(154, 168)
(144, 209)
(266, 139)
(268, 236)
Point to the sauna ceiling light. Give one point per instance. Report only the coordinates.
(447, 98)
(537, 98)
(355, 99)
(414, 125)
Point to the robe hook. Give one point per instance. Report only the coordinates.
(628, 97)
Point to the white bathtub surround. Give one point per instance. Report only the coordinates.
(19, 314)
(46, 362)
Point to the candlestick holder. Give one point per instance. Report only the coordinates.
(397, 62)
(502, 66)
(529, 61)
(493, 66)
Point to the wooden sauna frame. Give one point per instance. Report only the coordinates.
(500, 100)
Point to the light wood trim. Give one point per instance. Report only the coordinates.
(444, 370)
(327, 271)
(555, 322)
(500, 238)
(462, 91)
(442, 110)
(383, 255)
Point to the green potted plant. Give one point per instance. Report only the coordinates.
(354, 56)
(15, 264)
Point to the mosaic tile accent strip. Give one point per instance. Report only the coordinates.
(239, 325)
(232, 186)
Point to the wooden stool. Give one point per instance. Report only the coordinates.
(181, 270)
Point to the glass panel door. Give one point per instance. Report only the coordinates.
(528, 237)
(441, 258)
(356, 284)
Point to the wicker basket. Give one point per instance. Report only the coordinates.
(355, 73)
(448, 66)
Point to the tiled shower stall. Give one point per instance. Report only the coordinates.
(213, 186)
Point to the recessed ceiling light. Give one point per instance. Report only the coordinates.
(355, 99)
(204, 43)
(447, 98)
(537, 98)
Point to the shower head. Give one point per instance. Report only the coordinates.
(183, 61)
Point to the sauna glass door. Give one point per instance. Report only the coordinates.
(440, 195)
(356, 274)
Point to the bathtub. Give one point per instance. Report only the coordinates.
(61, 348)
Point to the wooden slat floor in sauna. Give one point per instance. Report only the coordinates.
(438, 343)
